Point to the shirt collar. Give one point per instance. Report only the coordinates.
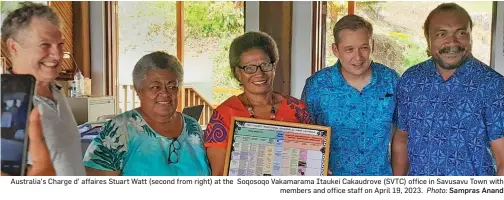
(54, 85)
(460, 72)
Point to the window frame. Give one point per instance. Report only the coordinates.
(319, 37)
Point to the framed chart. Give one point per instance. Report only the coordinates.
(273, 148)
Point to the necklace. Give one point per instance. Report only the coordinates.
(251, 109)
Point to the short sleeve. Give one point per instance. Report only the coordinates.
(193, 129)
(494, 112)
(395, 83)
(394, 116)
(107, 150)
(306, 91)
(402, 110)
(216, 133)
(304, 114)
(307, 98)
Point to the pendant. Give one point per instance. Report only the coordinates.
(273, 113)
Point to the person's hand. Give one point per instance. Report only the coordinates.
(41, 159)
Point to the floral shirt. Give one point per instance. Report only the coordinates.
(129, 145)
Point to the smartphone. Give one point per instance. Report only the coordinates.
(17, 96)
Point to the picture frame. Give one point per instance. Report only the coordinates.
(260, 147)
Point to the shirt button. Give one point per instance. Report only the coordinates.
(362, 114)
(362, 133)
(362, 171)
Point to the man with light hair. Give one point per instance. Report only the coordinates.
(35, 46)
(356, 98)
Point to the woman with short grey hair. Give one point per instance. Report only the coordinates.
(157, 60)
(153, 139)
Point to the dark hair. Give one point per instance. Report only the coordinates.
(444, 7)
(21, 18)
(249, 41)
(352, 22)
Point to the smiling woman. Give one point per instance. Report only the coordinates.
(153, 139)
(253, 57)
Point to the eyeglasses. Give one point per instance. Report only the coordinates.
(173, 155)
(251, 69)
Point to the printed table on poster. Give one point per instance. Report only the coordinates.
(273, 148)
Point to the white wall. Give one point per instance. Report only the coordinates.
(97, 36)
(301, 40)
(498, 40)
(251, 16)
(301, 52)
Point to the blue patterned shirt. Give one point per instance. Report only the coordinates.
(361, 122)
(450, 123)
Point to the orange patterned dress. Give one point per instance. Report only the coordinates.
(216, 133)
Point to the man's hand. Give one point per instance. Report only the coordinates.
(42, 164)
(41, 159)
(400, 164)
(498, 152)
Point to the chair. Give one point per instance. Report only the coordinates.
(194, 111)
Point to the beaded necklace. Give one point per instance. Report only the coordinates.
(251, 109)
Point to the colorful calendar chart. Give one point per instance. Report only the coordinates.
(273, 148)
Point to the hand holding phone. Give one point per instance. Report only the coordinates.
(18, 117)
(42, 164)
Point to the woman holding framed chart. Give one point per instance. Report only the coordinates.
(253, 57)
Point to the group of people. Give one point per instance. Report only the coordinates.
(443, 116)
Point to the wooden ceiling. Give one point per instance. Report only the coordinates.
(64, 11)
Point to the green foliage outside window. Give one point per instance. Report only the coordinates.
(209, 27)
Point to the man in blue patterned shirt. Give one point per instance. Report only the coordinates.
(356, 98)
(450, 107)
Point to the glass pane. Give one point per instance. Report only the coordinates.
(144, 27)
(399, 38)
(398, 30)
(335, 11)
(210, 27)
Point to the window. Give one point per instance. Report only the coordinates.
(208, 29)
(398, 32)
(7, 6)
